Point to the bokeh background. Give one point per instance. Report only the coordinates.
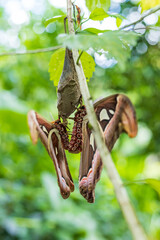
(30, 203)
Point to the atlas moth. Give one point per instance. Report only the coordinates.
(115, 115)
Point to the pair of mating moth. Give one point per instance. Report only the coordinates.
(115, 115)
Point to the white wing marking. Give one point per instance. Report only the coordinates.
(92, 141)
(111, 111)
(104, 115)
(44, 129)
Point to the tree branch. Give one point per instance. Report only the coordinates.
(141, 19)
(41, 50)
(120, 191)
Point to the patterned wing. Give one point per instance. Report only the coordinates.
(50, 135)
(115, 115)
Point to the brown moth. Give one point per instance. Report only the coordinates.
(115, 115)
(54, 137)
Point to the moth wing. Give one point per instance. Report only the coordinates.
(49, 136)
(115, 115)
(33, 125)
(104, 110)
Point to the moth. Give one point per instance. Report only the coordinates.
(115, 115)
(54, 137)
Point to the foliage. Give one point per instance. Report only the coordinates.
(54, 19)
(114, 43)
(92, 4)
(98, 14)
(57, 61)
(30, 202)
(56, 65)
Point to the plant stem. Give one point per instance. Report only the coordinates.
(120, 191)
(79, 57)
(41, 50)
(153, 10)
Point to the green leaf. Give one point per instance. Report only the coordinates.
(13, 122)
(158, 22)
(92, 4)
(56, 65)
(98, 14)
(57, 61)
(88, 65)
(119, 18)
(154, 183)
(116, 43)
(59, 18)
(94, 30)
(118, 22)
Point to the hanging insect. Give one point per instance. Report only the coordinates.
(54, 137)
(115, 115)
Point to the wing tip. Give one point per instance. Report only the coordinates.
(128, 116)
(31, 118)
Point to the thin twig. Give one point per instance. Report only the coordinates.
(120, 191)
(79, 57)
(141, 19)
(147, 28)
(85, 21)
(41, 50)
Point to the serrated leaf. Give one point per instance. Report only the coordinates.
(88, 65)
(116, 43)
(98, 14)
(147, 4)
(57, 61)
(56, 65)
(154, 183)
(118, 22)
(59, 18)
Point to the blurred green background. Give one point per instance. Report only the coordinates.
(30, 203)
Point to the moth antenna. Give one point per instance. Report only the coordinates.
(52, 116)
